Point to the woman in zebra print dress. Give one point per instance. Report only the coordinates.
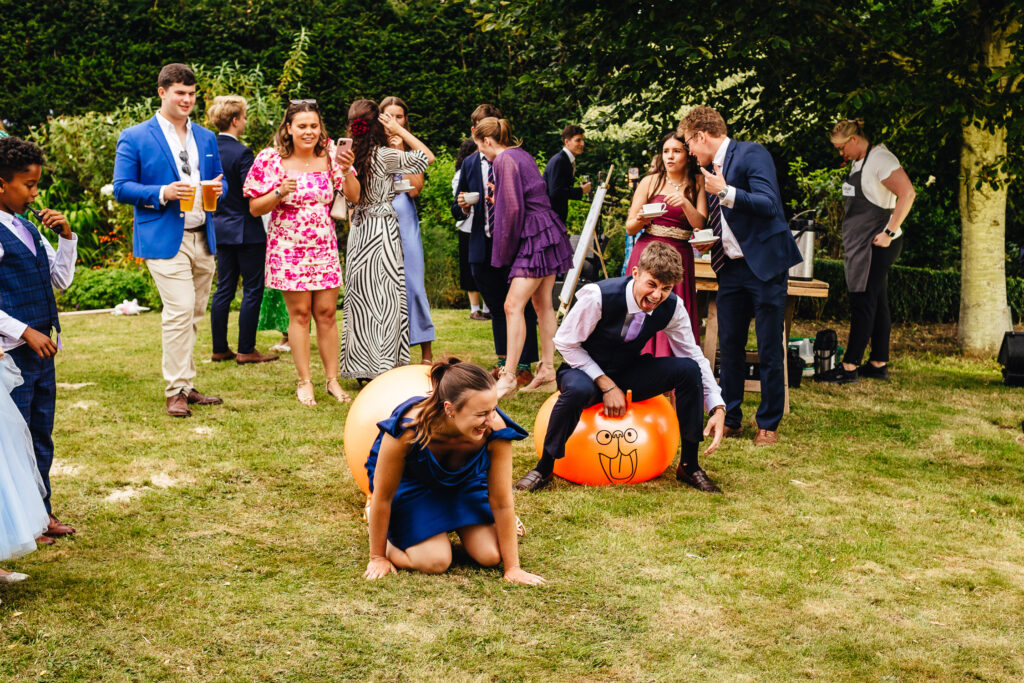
(375, 335)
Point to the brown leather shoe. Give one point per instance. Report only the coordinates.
(177, 405)
(254, 357)
(496, 371)
(223, 356)
(45, 540)
(194, 397)
(532, 481)
(524, 377)
(733, 432)
(765, 437)
(57, 528)
(698, 479)
(479, 315)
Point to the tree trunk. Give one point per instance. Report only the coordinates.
(984, 315)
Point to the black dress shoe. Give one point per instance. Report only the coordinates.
(869, 370)
(698, 479)
(533, 481)
(838, 375)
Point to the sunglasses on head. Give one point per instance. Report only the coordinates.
(311, 103)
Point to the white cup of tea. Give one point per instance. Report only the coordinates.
(703, 235)
(471, 198)
(656, 207)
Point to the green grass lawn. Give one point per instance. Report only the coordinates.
(880, 540)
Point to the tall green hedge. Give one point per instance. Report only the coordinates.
(915, 294)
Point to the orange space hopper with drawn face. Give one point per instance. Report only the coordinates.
(615, 450)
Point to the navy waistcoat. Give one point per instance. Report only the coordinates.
(25, 290)
(606, 344)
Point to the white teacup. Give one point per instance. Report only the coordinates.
(657, 207)
(471, 197)
(703, 235)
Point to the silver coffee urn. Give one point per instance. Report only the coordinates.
(804, 230)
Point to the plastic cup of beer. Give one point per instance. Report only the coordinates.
(210, 194)
(188, 202)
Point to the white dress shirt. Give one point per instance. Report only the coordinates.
(581, 321)
(62, 272)
(196, 217)
(729, 242)
(572, 157)
(466, 224)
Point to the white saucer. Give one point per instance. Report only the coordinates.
(402, 190)
(704, 243)
(656, 214)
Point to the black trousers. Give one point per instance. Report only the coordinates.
(742, 296)
(647, 376)
(869, 310)
(493, 284)
(234, 260)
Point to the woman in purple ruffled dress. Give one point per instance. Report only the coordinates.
(530, 240)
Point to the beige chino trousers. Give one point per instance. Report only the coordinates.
(184, 285)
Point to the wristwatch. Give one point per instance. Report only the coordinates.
(715, 410)
(890, 233)
(724, 192)
(277, 191)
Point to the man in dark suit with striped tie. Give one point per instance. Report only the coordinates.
(751, 260)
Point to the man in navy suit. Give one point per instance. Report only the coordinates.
(241, 239)
(561, 170)
(751, 259)
(158, 167)
(493, 282)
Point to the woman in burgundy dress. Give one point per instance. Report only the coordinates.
(674, 180)
(530, 240)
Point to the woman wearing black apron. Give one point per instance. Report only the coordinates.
(877, 197)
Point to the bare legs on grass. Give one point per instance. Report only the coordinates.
(521, 291)
(320, 306)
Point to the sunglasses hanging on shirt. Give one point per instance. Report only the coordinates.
(185, 168)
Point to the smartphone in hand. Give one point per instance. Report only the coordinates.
(343, 145)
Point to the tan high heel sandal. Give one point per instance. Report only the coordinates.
(544, 380)
(507, 384)
(341, 397)
(309, 400)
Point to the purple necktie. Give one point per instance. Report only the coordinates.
(715, 223)
(634, 327)
(490, 194)
(24, 234)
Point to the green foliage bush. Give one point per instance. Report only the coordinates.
(107, 287)
(915, 294)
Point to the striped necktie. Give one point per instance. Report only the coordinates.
(490, 196)
(715, 223)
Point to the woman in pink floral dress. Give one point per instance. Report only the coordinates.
(295, 182)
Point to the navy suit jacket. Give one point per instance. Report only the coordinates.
(470, 180)
(756, 217)
(143, 164)
(558, 176)
(232, 220)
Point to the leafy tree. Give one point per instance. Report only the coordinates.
(939, 81)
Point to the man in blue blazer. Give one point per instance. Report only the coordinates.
(493, 282)
(241, 239)
(158, 168)
(751, 259)
(560, 172)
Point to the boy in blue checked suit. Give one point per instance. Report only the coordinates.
(29, 270)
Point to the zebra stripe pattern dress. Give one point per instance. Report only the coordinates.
(375, 333)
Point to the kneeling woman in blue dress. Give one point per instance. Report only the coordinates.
(444, 463)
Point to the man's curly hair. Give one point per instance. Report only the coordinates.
(16, 155)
